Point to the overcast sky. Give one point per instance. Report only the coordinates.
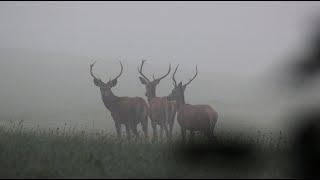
(230, 42)
(245, 34)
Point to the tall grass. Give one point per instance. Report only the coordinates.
(72, 153)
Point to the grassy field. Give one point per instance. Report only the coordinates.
(71, 153)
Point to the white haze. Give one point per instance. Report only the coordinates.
(46, 48)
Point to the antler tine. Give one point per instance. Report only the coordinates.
(91, 73)
(174, 73)
(192, 77)
(165, 74)
(140, 70)
(120, 71)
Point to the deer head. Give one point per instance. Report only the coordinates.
(177, 93)
(150, 85)
(105, 88)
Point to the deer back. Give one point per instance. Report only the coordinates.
(196, 117)
(129, 108)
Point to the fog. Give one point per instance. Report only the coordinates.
(46, 49)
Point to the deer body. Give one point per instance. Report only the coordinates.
(197, 117)
(192, 117)
(128, 111)
(161, 110)
(157, 109)
(172, 110)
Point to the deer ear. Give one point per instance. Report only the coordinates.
(113, 83)
(180, 84)
(96, 82)
(142, 80)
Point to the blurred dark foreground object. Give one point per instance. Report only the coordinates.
(307, 67)
(232, 159)
(300, 159)
(305, 149)
(236, 159)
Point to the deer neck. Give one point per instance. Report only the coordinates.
(109, 100)
(180, 102)
(152, 96)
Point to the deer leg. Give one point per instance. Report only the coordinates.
(135, 131)
(211, 131)
(209, 134)
(128, 131)
(171, 122)
(170, 128)
(145, 127)
(161, 132)
(118, 129)
(167, 131)
(183, 133)
(154, 127)
(191, 135)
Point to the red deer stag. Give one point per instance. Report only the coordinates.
(161, 111)
(192, 117)
(129, 111)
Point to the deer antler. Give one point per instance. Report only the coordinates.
(140, 70)
(173, 78)
(91, 73)
(192, 77)
(120, 71)
(158, 79)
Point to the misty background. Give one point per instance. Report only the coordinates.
(46, 49)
